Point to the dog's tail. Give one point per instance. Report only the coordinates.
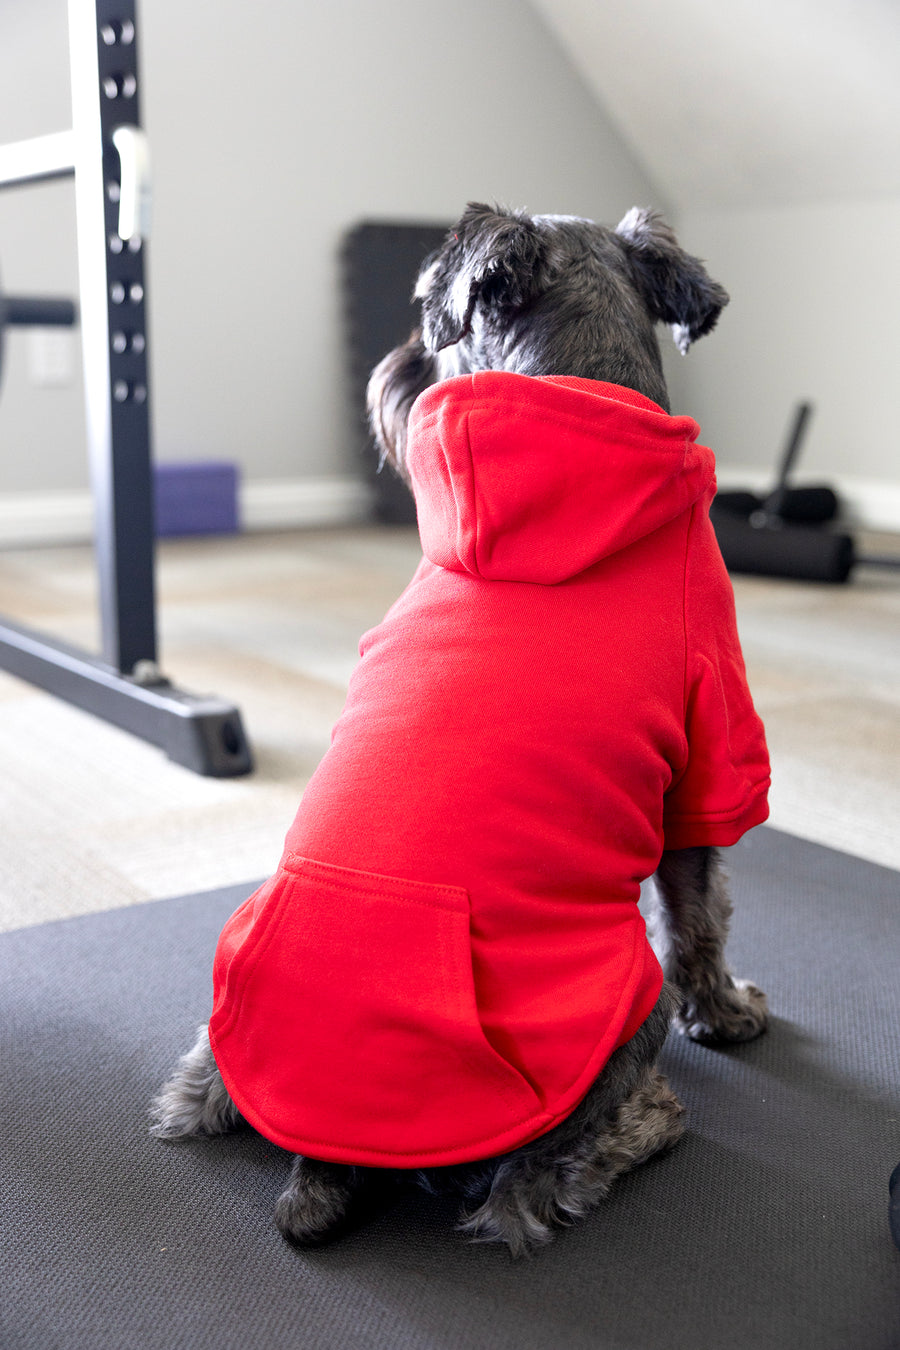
(394, 385)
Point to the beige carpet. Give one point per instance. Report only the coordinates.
(92, 818)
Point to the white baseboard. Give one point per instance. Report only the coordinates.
(867, 503)
(45, 518)
(33, 518)
(290, 503)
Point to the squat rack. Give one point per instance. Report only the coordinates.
(105, 151)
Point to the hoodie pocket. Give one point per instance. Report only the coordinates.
(348, 1021)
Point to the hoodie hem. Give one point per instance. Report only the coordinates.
(719, 829)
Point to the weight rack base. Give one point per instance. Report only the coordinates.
(203, 734)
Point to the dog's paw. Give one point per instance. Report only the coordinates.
(195, 1101)
(313, 1208)
(650, 1121)
(739, 1013)
(169, 1121)
(504, 1218)
(529, 1200)
(180, 1114)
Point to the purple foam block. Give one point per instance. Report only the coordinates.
(196, 498)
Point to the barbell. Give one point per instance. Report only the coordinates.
(33, 311)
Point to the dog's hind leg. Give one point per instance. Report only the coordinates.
(691, 912)
(314, 1206)
(194, 1101)
(628, 1115)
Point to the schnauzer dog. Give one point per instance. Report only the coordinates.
(490, 1021)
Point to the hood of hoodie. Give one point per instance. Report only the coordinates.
(522, 478)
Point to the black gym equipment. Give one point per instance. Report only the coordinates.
(790, 532)
(33, 311)
(380, 262)
(106, 152)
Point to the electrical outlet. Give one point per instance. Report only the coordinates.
(51, 357)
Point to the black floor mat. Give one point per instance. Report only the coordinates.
(766, 1227)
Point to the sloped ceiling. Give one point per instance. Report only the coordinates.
(742, 103)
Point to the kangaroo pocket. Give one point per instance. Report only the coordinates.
(346, 1023)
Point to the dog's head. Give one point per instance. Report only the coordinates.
(545, 295)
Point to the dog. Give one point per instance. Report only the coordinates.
(448, 980)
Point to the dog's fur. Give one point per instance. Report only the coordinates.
(540, 295)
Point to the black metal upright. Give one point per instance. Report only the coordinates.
(103, 43)
(107, 153)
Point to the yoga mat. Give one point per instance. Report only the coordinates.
(765, 1229)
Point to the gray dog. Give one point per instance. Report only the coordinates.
(552, 319)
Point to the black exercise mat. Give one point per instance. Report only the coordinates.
(766, 1229)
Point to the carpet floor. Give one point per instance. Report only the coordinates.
(766, 1228)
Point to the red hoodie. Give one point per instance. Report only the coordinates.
(451, 948)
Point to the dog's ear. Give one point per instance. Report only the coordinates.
(675, 286)
(491, 255)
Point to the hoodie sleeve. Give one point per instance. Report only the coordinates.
(722, 790)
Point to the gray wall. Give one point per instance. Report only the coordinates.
(815, 293)
(273, 130)
(41, 426)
